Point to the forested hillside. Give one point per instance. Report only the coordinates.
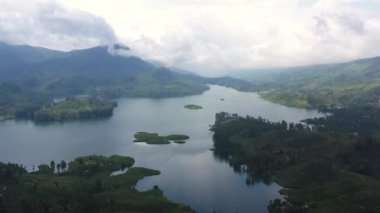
(327, 167)
(331, 85)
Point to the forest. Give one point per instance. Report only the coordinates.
(18, 104)
(83, 185)
(74, 108)
(322, 164)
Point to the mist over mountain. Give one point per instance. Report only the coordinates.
(87, 71)
(109, 71)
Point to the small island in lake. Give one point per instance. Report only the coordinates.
(75, 108)
(83, 185)
(154, 138)
(193, 106)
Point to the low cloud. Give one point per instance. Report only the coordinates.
(210, 37)
(51, 24)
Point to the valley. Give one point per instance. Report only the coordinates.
(224, 106)
(301, 159)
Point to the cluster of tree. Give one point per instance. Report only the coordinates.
(10, 171)
(358, 120)
(264, 145)
(309, 160)
(74, 108)
(16, 103)
(85, 186)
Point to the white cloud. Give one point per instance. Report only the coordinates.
(51, 24)
(214, 36)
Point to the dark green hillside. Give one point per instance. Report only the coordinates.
(16, 103)
(91, 71)
(96, 71)
(325, 168)
(41, 74)
(85, 186)
(95, 63)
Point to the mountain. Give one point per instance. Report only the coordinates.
(326, 85)
(29, 53)
(97, 70)
(37, 75)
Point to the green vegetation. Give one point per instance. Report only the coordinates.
(73, 108)
(154, 138)
(14, 103)
(354, 83)
(326, 167)
(150, 138)
(287, 99)
(179, 142)
(91, 71)
(160, 83)
(32, 77)
(86, 186)
(193, 106)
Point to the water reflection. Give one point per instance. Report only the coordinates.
(251, 178)
(82, 121)
(190, 173)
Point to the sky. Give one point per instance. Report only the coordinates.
(210, 37)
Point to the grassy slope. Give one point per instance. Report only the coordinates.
(343, 84)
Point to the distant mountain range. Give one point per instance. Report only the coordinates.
(102, 70)
(92, 70)
(327, 85)
(31, 76)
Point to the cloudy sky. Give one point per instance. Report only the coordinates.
(207, 36)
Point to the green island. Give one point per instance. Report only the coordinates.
(16, 103)
(329, 166)
(85, 186)
(193, 106)
(74, 108)
(154, 138)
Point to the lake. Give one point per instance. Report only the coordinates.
(190, 172)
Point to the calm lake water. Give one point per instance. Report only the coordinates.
(190, 172)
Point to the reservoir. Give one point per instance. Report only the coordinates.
(190, 173)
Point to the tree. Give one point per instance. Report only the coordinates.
(63, 165)
(45, 169)
(58, 167)
(52, 166)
